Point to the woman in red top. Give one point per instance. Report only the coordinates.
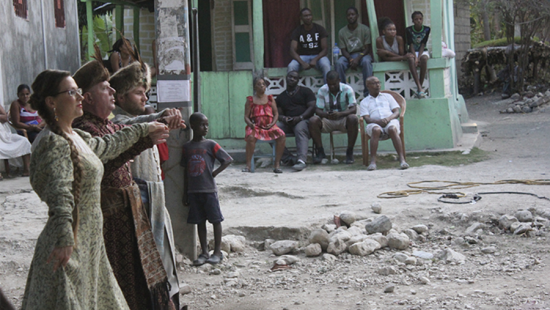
(22, 116)
(260, 116)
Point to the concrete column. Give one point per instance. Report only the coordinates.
(373, 25)
(172, 42)
(258, 34)
(436, 23)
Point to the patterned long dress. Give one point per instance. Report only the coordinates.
(87, 282)
(262, 115)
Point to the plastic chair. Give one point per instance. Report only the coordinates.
(365, 138)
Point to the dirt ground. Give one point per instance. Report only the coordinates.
(510, 273)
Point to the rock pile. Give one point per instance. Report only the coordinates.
(525, 222)
(356, 236)
(526, 104)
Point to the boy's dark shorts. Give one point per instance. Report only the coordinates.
(202, 207)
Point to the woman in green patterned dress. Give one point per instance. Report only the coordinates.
(70, 268)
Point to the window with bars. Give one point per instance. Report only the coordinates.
(59, 13)
(20, 8)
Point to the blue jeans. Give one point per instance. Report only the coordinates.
(323, 64)
(366, 65)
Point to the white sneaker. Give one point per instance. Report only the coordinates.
(300, 165)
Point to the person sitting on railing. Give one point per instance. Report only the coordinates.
(380, 111)
(355, 45)
(417, 38)
(308, 46)
(391, 47)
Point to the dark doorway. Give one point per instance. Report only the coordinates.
(388, 8)
(205, 36)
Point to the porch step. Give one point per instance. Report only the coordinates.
(469, 127)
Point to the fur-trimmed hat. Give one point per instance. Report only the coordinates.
(134, 75)
(91, 74)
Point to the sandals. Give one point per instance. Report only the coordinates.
(201, 260)
(215, 259)
(277, 170)
(245, 170)
(420, 95)
(371, 167)
(404, 166)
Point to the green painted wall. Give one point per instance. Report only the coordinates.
(223, 99)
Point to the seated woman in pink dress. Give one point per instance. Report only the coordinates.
(22, 116)
(260, 116)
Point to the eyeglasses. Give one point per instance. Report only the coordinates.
(71, 92)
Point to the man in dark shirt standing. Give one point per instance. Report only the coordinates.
(296, 105)
(308, 46)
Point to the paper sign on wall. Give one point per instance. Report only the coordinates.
(173, 91)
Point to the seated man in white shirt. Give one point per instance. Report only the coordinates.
(380, 111)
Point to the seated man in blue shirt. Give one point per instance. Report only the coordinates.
(381, 112)
(336, 109)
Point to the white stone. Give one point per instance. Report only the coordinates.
(376, 207)
(523, 228)
(420, 228)
(313, 249)
(283, 247)
(364, 248)
(356, 239)
(398, 241)
(384, 271)
(288, 259)
(423, 255)
(515, 226)
(378, 237)
(450, 256)
(400, 257)
(424, 280)
(489, 250)
(381, 224)
(342, 235)
(329, 227)
(473, 228)
(336, 246)
(506, 221)
(185, 289)
(319, 236)
(524, 216)
(348, 217)
(356, 231)
(410, 261)
(412, 234)
(237, 243)
(329, 257)
(232, 275)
